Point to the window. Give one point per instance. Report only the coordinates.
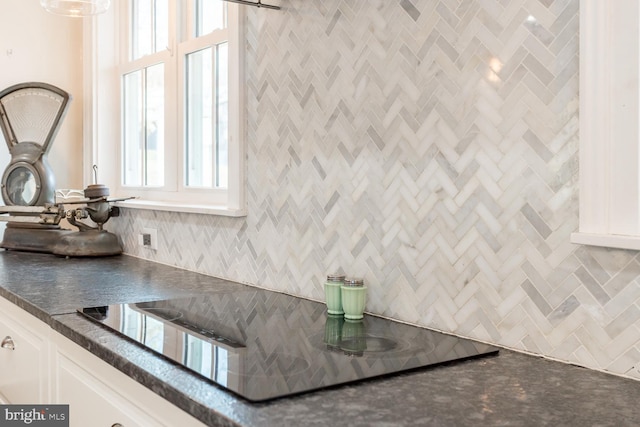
(609, 124)
(176, 90)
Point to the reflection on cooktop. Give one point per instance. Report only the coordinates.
(263, 345)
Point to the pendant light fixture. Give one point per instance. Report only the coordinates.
(76, 8)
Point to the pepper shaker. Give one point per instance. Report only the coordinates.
(354, 296)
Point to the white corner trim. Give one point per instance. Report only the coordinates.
(609, 126)
(607, 240)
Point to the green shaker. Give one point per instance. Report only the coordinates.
(354, 296)
(333, 293)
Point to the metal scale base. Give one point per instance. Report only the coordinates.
(57, 241)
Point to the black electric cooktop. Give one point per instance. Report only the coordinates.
(263, 345)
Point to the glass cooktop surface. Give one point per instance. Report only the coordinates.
(263, 345)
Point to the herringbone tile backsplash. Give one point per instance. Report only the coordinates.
(432, 148)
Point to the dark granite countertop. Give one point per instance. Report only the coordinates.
(510, 389)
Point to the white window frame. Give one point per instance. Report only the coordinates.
(102, 123)
(609, 124)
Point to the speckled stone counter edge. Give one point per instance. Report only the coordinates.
(30, 308)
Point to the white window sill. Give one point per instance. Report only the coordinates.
(181, 207)
(607, 240)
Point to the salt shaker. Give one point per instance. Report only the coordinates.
(333, 293)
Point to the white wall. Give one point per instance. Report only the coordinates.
(38, 46)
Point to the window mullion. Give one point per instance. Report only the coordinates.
(214, 116)
(145, 161)
(196, 19)
(153, 23)
(172, 109)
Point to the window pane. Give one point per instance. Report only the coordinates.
(210, 15)
(199, 132)
(144, 125)
(149, 29)
(161, 26)
(133, 115)
(222, 119)
(154, 144)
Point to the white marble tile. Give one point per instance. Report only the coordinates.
(431, 147)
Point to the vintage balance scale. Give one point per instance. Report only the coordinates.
(30, 116)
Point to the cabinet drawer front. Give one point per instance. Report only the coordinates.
(100, 395)
(91, 402)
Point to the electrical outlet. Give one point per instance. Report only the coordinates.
(148, 238)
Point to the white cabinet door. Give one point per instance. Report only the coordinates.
(24, 356)
(99, 395)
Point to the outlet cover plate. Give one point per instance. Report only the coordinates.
(153, 234)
